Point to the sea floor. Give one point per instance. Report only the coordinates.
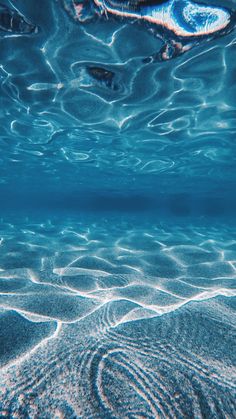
(117, 318)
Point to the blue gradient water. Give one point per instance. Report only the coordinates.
(117, 234)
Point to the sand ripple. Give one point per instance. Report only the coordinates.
(131, 321)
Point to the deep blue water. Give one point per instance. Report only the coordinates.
(117, 215)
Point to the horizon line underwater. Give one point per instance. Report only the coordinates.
(118, 226)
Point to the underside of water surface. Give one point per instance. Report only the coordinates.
(117, 213)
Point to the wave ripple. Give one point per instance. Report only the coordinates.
(81, 100)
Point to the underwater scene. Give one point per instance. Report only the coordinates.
(118, 209)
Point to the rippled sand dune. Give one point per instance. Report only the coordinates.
(117, 319)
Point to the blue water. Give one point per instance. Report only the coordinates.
(118, 228)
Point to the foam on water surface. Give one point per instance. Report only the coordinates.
(189, 21)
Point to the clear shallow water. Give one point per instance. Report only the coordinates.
(117, 235)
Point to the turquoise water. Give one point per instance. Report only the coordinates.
(117, 234)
